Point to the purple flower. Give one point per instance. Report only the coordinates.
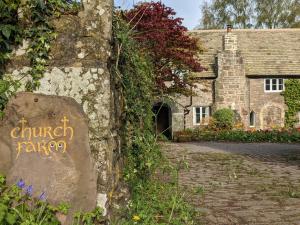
(29, 190)
(21, 184)
(42, 196)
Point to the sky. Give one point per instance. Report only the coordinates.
(189, 10)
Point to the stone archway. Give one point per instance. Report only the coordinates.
(272, 115)
(163, 119)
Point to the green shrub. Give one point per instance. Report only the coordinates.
(280, 136)
(224, 118)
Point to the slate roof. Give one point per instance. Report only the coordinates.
(266, 52)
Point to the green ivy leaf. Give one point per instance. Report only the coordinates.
(6, 31)
(2, 180)
(4, 86)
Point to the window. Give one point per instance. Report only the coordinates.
(274, 85)
(252, 119)
(201, 115)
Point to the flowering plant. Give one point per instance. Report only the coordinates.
(17, 206)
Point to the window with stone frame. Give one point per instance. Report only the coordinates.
(201, 115)
(274, 85)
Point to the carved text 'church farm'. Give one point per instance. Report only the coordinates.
(42, 140)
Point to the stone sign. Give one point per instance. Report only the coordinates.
(44, 141)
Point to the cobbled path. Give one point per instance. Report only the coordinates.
(237, 184)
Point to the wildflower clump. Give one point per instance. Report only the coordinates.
(17, 206)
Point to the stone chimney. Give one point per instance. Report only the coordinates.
(231, 86)
(229, 40)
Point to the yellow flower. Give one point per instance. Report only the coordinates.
(136, 218)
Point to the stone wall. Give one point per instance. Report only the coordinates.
(231, 89)
(203, 97)
(79, 69)
(268, 107)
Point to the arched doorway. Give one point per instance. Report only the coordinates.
(162, 119)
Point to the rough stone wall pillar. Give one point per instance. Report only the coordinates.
(96, 19)
(231, 87)
(79, 68)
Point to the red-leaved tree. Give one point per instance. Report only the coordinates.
(163, 37)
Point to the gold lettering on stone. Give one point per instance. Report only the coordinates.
(43, 140)
(13, 132)
(37, 132)
(56, 131)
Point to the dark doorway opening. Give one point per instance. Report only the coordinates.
(162, 120)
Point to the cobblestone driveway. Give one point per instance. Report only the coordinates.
(241, 183)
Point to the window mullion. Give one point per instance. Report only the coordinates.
(201, 108)
(195, 115)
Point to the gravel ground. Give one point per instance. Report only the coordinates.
(230, 183)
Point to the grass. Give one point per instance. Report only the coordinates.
(200, 190)
(159, 200)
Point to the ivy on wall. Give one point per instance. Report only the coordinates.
(30, 21)
(10, 34)
(153, 201)
(292, 100)
(133, 71)
(41, 33)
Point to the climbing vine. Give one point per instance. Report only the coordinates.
(292, 100)
(28, 21)
(10, 34)
(133, 71)
(41, 33)
(153, 201)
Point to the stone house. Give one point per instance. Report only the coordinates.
(246, 70)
